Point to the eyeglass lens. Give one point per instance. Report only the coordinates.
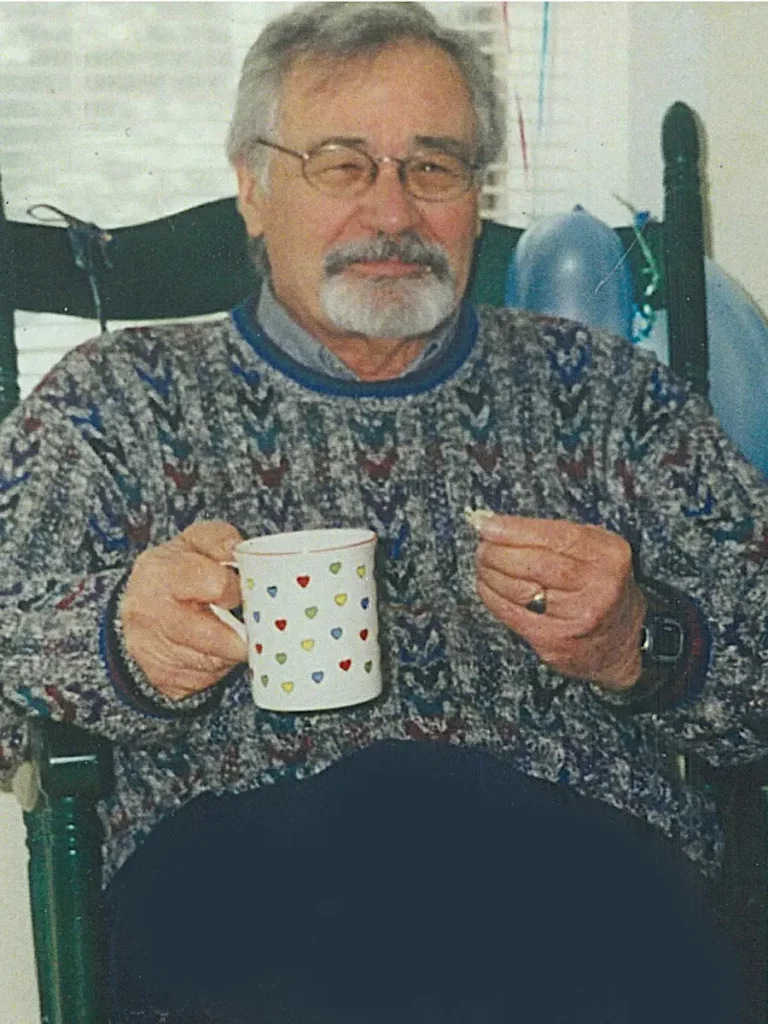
(343, 170)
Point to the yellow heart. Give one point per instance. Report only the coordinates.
(361, 571)
(340, 599)
(288, 687)
(307, 644)
(250, 583)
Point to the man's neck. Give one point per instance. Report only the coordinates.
(373, 359)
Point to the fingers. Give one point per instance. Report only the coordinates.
(193, 577)
(196, 633)
(518, 591)
(216, 540)
(594, 609)
(559, 536)
(523, 556)
(530, 568)
(168, 628)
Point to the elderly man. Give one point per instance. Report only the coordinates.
(503, 835)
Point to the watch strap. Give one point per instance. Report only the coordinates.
(675, 647)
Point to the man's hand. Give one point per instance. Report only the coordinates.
(594, 608)
(169, 630)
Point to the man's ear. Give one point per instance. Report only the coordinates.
(250, 198)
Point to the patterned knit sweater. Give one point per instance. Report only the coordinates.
(136, 435)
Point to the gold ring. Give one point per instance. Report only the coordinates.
(538, 603)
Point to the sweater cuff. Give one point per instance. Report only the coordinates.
(664, 685)
(130, 682)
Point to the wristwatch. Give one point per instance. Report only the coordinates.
(674, 649)
(662, 640)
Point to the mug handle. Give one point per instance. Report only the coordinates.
(226, 616)
(230, 620)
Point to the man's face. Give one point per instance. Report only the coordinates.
(387, 103)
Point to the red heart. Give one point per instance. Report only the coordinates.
(345, 664)
(302, 580)
(281, 623)
(259, 648)
(363, 634)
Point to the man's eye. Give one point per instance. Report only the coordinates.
(434, 167)
(346, 167)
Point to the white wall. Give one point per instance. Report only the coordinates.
(736, 118)
(712, 56)
(18, 986)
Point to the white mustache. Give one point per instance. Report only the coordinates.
(408, 247)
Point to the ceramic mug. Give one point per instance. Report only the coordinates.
(310, 619)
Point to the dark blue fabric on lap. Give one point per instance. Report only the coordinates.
(412, 883)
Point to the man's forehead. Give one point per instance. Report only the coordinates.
(324, 96)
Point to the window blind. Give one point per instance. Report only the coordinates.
(117, 113)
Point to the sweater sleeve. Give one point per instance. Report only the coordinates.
(696, 513)
(75, 511)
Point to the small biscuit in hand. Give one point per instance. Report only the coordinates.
(475, 516)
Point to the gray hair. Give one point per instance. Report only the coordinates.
(339, 30)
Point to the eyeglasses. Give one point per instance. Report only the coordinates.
(339, 170)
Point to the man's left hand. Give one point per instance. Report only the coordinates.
(590, 628)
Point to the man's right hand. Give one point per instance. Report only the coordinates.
(168, 628)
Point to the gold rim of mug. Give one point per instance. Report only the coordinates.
(243, 549)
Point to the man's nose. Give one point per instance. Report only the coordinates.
(387, 205)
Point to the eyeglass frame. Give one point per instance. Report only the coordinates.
(376, 163)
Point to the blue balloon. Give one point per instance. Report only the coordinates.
(738, 362)
(573, 265)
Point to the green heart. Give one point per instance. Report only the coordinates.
(311, 612)
(335, 567)
(281, 658)
(264, 680)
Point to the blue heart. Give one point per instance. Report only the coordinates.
(257, 616)
(336, 632)
(272, 591)
(365, 602)
(317, 677)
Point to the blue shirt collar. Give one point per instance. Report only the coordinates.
(438, 368)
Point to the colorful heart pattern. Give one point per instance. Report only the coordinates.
(309, 644)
